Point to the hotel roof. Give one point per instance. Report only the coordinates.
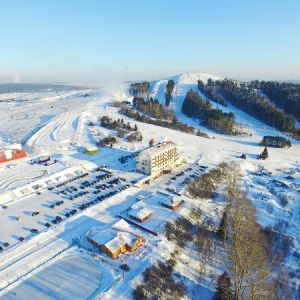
(157, 149)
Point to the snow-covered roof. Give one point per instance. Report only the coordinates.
(122, 238)
(114, 237)
(91, 149)
(160, 148)
(170, 202)
(140, 213)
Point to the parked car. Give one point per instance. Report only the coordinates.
(6, 244)
(52, 206)
(54, 221)
(1, 248)
(34, 230)
(35, 213)
(22, 239)
(58, 218)
(47, 224)
(125, 267)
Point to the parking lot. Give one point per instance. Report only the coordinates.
(34, 213)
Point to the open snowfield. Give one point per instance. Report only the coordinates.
(48, 265)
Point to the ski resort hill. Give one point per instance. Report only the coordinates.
(46, 210)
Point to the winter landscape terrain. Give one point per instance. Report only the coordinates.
(58, 262)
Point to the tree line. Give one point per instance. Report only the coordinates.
(153, 108)
(169, 91)
(210, 92)
(285, 95)
(248, 100)
(139, 89)
(172, 124)
(275, 142)
(196, 107)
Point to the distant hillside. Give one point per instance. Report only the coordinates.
(279, 111)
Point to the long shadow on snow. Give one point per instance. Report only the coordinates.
(243, 142)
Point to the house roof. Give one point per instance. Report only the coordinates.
(170, 202)
(113, 237)
(140, 213)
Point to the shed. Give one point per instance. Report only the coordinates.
(141, 214)
(91, 150)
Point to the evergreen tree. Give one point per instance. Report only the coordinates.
(224, 291)
(265, 154)
(223, 229)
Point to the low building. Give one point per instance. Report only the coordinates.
(91, 150)
(114, 240)
(11, 152)
(171, 203)
(158, 159)
(141, 214)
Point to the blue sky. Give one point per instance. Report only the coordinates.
(96, 40)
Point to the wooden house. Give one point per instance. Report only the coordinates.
(114, 240)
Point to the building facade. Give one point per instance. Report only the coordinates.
(158, 159)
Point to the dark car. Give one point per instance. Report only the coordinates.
(6, 244)
(67, 215)
(1, 248)
(35, 213)
(54, 221)
(125, 267)
(47, 224)
(22, 239)
(58, 218)
(52, 206)
(34, 230)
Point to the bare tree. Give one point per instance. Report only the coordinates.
(248, 263)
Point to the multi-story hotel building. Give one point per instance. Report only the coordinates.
(158, 159)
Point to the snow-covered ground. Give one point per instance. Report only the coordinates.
(57, 124)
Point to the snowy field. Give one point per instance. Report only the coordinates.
(57, 124)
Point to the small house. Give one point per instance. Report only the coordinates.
(171, 203)
(141, 214)
(114, 240)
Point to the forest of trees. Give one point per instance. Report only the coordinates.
(153, 109)
(256, 105)
(122, 128)
(210, 92)
(152, 112)
(285, 95)
(195, 106)
(169, 91)
(139, 89)
(275, 142)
